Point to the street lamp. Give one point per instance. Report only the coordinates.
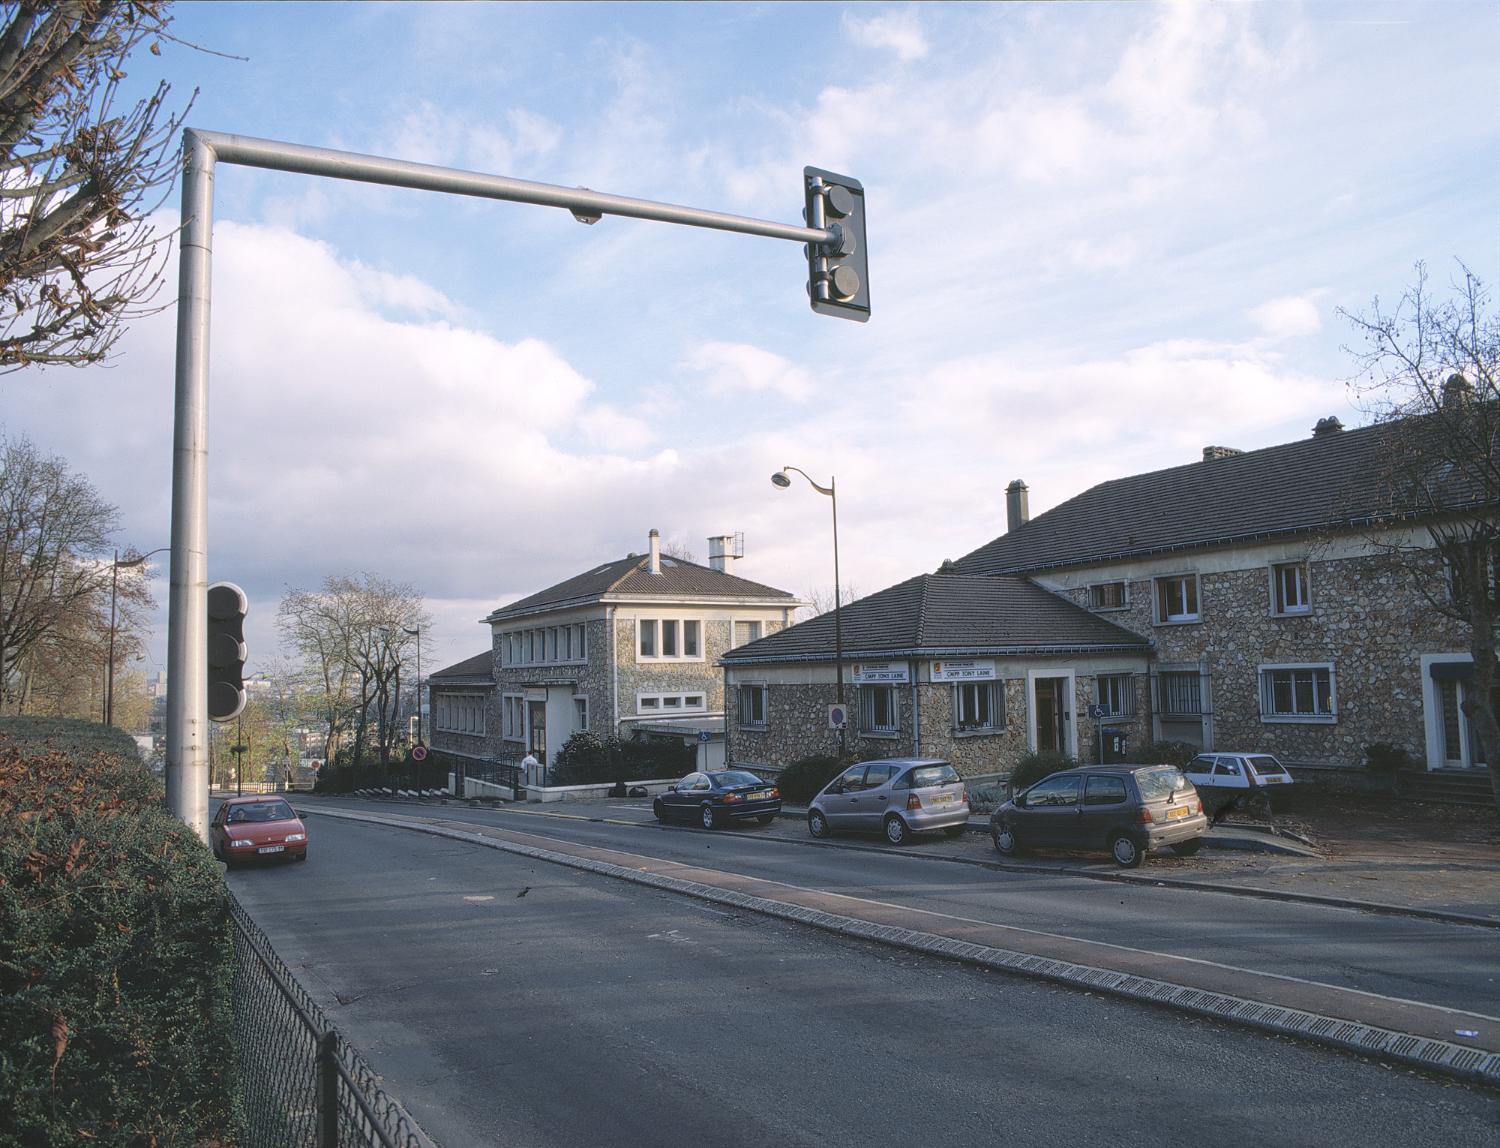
(114, 590)
(781, 479)
(417, 630)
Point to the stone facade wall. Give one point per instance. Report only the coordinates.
(1369, 621)
(480, 746)
(797, 719)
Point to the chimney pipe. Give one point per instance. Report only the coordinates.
(1328, 426)
(721, 554)
(1212, 452)
(1457, 391)
(1017, 505)
(653, 550)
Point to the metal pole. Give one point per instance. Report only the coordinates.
(328, 1090)
(109, 670)
(838, 632)
(187, 617)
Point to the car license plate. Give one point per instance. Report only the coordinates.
(1272, 780)
(1179, 811)
(941, 798)
(761, 796)
(271, 849)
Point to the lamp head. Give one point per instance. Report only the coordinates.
(780, 479)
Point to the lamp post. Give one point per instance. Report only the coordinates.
(114, 590)
(417, 630)
(781, 479)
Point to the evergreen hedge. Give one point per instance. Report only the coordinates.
(587, 759)
(115, 956)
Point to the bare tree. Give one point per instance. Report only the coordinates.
(352, 637)
(79, 178)
(54, 529)
(820, 601)
(1430, 373)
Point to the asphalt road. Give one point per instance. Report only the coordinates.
(1454, 966)
(589, 1010)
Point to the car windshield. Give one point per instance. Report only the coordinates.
(1161, 783)
(925, 775)
(262, 811)
(1265, 765)
(733, 777)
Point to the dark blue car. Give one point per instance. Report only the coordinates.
(711, 799)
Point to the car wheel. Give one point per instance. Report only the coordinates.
(710, 818)
(302, 856)
(895, 830)
(954, 830)
(817, 824)
(1188, 848)
(766, 818)
(657, 811)
(1005, 840)
(1126, 852)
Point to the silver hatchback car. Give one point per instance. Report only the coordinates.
(896, 796)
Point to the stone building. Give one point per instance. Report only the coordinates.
(974, 670)
(631, 645)
(1262, 594)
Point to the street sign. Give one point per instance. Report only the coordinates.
(419, 753)
(704, 735)
(1096, 712)
(838, 717)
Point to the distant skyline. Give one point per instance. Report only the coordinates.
(1102, 237)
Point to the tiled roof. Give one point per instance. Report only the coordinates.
(630, 578)
(1322, 482)
(946, 614)
(479, 666)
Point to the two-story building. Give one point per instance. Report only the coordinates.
(1259, 586)
(628, 646)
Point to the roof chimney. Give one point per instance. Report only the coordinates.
(653, 540)
(1328, 426)
(1017, 505)
(723, 549)
(1457, 391)
(1212, 452)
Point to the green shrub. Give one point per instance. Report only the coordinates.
(1177, 753)
(115, 957)
(1035, 766)
(1383, 757)
(800, 782)
(587, 759)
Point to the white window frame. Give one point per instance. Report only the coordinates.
(581, 710)
(659, 626)
(752, 689)
(1279, 606)
(868, 725)
(996, 707)
(1265, 678)
(1184, 580)
(758, 624)
(513, 725)
(1111, 697)
(1124, 585)
(673, 702)
(460, 713)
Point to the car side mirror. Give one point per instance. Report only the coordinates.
(671, 789)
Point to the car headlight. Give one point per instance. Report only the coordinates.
(296, 837)
(240, 843)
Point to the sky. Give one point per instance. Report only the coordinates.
(1101, 237)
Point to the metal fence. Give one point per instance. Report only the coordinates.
(302, 1083)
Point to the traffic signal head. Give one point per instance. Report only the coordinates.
(838, 270)
(227, 606)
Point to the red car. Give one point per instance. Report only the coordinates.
(247, 828)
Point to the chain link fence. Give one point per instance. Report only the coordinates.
(302, 1084)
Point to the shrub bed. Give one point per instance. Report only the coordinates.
(800, 782)
(115, 957)
(587, 759)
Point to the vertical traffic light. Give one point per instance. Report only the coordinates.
(227, 606)
(838, 271)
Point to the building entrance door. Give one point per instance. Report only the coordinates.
(536, 722)
(1052, 715)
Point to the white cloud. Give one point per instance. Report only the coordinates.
(900, 31)
(729, 369)
(1289, 316)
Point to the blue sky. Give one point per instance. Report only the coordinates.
(1102, 236)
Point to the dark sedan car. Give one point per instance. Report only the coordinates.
(715, 798)
(250, 828)
(1126, 809)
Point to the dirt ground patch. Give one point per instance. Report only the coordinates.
(1343, 824)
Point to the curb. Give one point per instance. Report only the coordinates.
(1473, 1065)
